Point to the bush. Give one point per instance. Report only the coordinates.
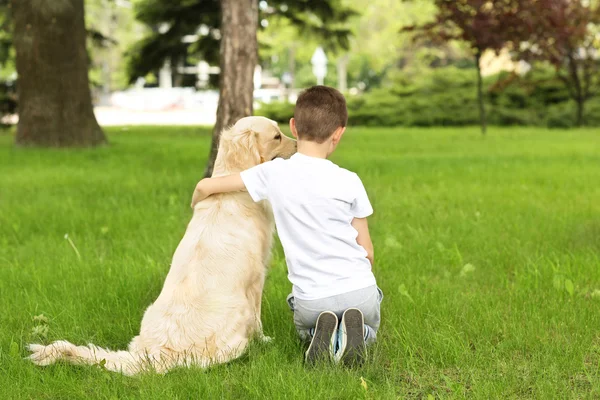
(448, 97)
(277, 111)
(8, 104)
(563, 115)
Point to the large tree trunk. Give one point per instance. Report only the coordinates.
(55, 105)
(239, 56)
(480, 99)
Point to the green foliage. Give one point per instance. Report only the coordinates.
(277, 111)
(310, 19)
(563, 115)
(7, 63)
(487, 251)
(111, 31)
(447, 97)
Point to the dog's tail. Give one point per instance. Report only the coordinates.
(125, 362)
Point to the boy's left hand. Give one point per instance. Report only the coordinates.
(200, 193)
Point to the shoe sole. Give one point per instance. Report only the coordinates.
(321, 347)
(355, 350)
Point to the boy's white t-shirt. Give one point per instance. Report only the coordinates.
(314, 202)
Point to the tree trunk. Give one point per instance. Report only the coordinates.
(239, 56)
(578, 92)
(55, 105)
(480, 99)
(580, 112)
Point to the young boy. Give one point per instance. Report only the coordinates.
(320, 212)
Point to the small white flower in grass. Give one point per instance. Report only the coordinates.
(467, 269)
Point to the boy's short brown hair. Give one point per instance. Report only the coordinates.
(320, 110)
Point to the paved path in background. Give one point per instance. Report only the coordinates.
(109, 116)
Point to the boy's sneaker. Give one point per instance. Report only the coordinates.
(352, 349)
(322, 345)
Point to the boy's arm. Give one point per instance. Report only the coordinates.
(209, 186)
(364, 238)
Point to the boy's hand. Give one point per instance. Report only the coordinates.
(201, 192)
(210, 186)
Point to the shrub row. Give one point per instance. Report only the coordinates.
(448, 97)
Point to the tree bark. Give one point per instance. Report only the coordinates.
(239, 56)
(480, 99)
(55, 105)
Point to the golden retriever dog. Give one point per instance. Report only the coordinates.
(209, 307)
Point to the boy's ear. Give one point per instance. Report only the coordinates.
(293, 128)
(337, 135)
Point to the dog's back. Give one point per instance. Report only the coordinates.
(214, 286)
(209, 306)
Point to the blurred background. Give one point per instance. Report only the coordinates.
(407, 63)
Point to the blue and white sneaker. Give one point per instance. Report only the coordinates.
(352, 349)
(322, 345)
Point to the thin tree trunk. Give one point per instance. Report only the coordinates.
(480, 99)
(292, 66)
(578, 94)
(239, 56)
(55, 105)
(580, 112)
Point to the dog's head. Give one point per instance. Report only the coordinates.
(252, 141)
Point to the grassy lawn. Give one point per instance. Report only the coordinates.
(488, 251)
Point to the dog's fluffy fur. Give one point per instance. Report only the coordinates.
(209, 307)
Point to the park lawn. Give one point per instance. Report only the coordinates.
(487, 249)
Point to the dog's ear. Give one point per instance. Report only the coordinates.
(241, 149)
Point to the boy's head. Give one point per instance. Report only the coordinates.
(320, 112)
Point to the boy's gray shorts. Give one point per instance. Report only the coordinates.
(366, 300)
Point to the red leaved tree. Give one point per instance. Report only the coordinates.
(483, 24)
(566, 34)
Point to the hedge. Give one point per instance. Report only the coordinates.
(447, 97)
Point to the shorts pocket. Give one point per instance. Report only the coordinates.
(291, 300)
(380, 292)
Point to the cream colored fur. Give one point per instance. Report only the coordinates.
(209, 307)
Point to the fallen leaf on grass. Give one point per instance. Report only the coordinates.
(363, 383)
(569, 287)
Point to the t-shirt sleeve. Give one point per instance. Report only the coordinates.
(256, 180)
(361, 206)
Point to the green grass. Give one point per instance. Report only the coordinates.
(487, 249)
